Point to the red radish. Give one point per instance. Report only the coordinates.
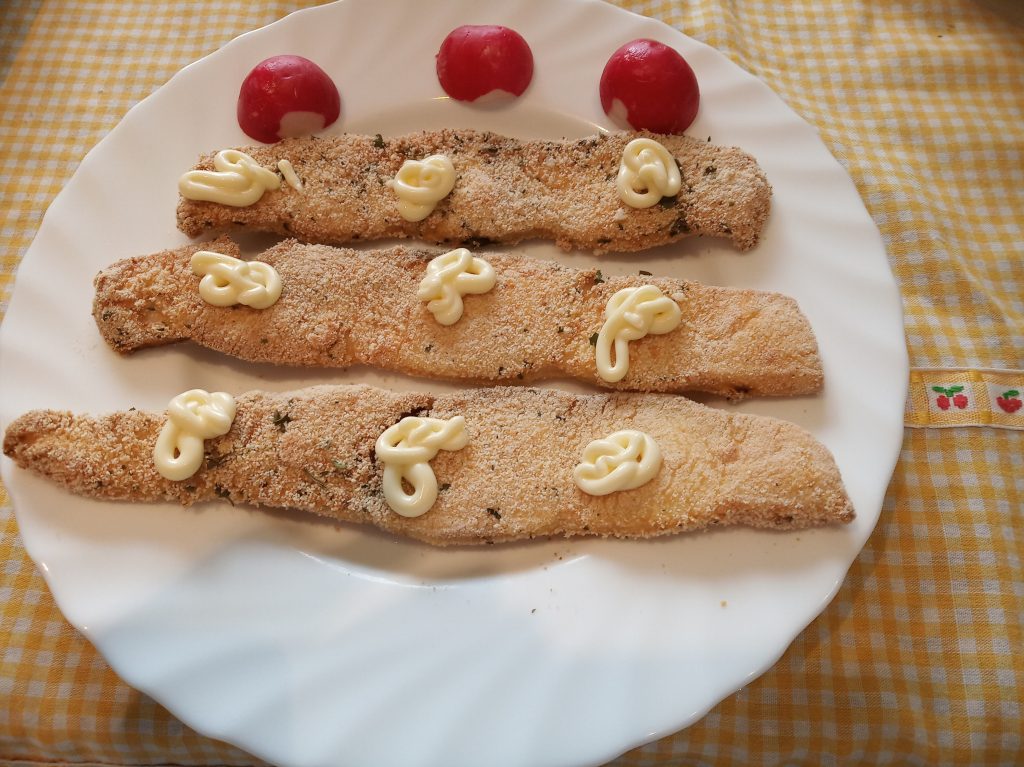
(286, 96)
(477, 60)
(649, 86)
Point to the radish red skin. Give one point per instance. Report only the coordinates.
(654, 83)
(475, 60)
(280, 85)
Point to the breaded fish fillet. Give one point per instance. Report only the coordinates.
(345, 307)
(506, 190)
(313, 450)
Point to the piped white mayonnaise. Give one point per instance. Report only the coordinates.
(288, 171)
(421, 184)
(631, 314)
(449, 277)
(238, 180)
(621, 461)
(647, 172)
(406, 449)
(192, 417)
(228, 281)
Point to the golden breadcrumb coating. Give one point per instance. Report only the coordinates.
(506, 191)
(345, 307)
(313, 450)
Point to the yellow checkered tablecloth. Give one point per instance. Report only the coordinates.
(919, 658)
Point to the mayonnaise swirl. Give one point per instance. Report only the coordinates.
(621, 461)
(406, 448)
(288, 171)
(630, 315)
(192, 417)
(237, 181)
(421, 184)
(647, 172)
(228, 281)
(449, 277)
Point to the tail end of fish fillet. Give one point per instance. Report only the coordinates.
(97, 457)
(139, 302)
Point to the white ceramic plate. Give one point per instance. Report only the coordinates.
(312, 644)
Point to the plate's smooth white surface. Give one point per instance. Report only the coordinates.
(310, 644)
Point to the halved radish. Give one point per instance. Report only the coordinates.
(649, 86)
(478, 60)
(286, 96)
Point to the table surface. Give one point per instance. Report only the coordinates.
(918, 659)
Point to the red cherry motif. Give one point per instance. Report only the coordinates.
(1010, 401)
(950, 394)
